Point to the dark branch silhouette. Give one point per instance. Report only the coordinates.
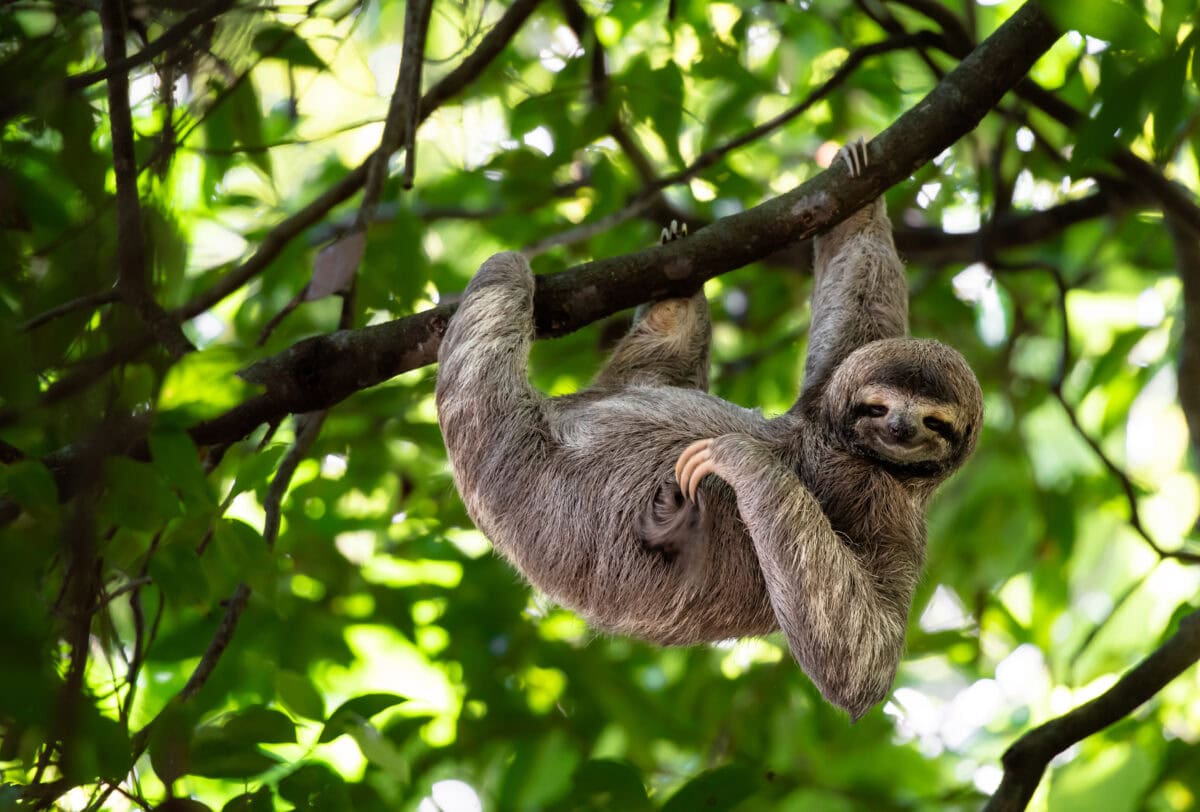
(1025, 761)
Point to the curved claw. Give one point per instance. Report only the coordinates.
(693, 465)
(855, 156)
(673, 232)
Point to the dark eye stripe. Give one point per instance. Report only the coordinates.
(942, 428)
(870, 410)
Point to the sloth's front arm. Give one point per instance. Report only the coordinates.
(844, 627)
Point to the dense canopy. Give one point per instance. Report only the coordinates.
(236, 573)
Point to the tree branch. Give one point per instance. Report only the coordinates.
(1010, 229)
(89, 302)
(1025, 762)
(219, 642)
(131, 247)
(315, 373)
(408, 85)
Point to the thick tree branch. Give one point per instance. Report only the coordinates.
(318, 372)
(1025, 762)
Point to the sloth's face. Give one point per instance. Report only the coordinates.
(905, 430)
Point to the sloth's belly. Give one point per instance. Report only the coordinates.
(574, 532)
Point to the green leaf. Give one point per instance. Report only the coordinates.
(103, 747)
(1170, 102)
(216, 755)
(722, 788)
(258, 801)
(242, 552)
(171, 743)
(1196, 64)
(245, 114)
(299, 694)
(176, 569)
(182, 805)
(204, 384)
(1118, 119)
(1174, 12)
(218, 761)
(355, 712)
(136, 496)
(279, 42)
(1107, 20)
(380, 751)
(603, 784)
(254, 469)
(317, 788)
(656, 95)
(257, 724)
(31, 485)
(395, 268)
(176, 456)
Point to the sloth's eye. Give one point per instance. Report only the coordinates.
(873, 409)
(933, 424)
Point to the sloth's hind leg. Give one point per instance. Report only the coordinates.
(668, 344)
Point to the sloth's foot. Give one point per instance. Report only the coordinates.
(693, 465)
(675, 231)
(855, 156)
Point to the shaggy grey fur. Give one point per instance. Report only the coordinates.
(814, 523)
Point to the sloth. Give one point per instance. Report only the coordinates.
(657, 510)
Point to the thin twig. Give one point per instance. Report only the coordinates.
(1099, 626)
(650, 195)
(219, 642)
(308, 427)
(124, 589)
(88, 302)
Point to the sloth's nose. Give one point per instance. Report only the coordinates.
(902, 428)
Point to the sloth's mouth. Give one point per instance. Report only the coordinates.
(916, 451)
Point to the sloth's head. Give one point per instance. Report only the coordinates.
(912, 406)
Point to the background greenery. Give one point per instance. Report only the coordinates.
(158, 652)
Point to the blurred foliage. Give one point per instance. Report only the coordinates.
(384, 658)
